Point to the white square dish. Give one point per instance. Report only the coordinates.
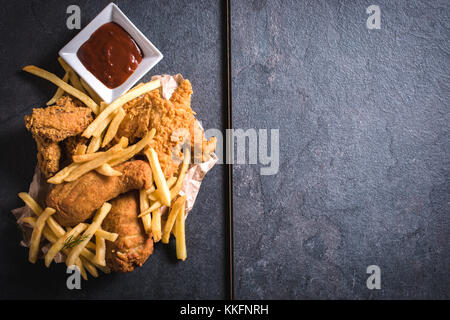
(111, 13)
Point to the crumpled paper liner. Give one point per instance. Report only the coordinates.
(39, 187)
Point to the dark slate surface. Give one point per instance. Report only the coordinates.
(364, 142)
(190, 37)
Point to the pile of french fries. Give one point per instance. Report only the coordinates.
(76, 243)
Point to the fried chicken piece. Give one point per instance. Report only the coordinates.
(77, 201)
(133, 246)
(174, 122)
(71, 144)
(48, 156)
(55, 123)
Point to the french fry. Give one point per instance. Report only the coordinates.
(59, 92)
(110, 236)
(113, 127)
(51, 237)
(111, 157)
(154, 196)
(30, 202)
(91, 92)
(106, 170)
(116, 104)
(89, 233)
(103, 106)
(66, 87)
(158, 176)
(177, 187)
(94, 144)
(156, 225)
(74, 79)
(102, 129)
(90, 267)
(181, 236)
(81, 149)
(87, 157)
(143, 205)
(100, 251)
(178, 208)
(37, 232)
(63, 174)
(61, 242)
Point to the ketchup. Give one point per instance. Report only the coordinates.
(110, 54)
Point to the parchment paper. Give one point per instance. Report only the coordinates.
(39, 188)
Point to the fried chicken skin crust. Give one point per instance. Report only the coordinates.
(133, 246)
(77, 201)
(67, 118)
(48, 156)
(49, 126)
(174, 122)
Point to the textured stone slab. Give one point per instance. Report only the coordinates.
(364, 141)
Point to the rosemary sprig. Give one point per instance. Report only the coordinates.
(73, 242)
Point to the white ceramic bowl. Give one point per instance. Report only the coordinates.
(111, 13)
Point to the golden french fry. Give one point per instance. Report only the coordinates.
(176, 188)
(61, 243)
(156, 225)
(133, 150)
(181, 236)
(158, 176)
(94, 144)
(50, 236)
(59, 92)
(91, 92)
(63, 174)
(178, 185)
(106, 170)
(81, 269)
(143, 205)
(66, 87)
(100, 251)
(111, 157)
(89, 233)
(37, 232)
(87, 157)
(178, 207)
(30, 202)
(90, 245)
(90, 267)
(113, 126)
(74, 79)
(104, 127)
(81, 149)
(110, 236)
(154, 195)
(103, 106)
(116, 104)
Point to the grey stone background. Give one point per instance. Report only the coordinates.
(364, 149)
(364, 138)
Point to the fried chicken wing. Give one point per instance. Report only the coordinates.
(174, 122)
(133, 246)
(51, 125)
(55, 123)
(77, 201)
(48, 156)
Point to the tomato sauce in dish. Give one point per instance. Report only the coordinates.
(110, 54)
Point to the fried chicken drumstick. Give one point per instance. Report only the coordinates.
(77, 201)
(133, 246)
